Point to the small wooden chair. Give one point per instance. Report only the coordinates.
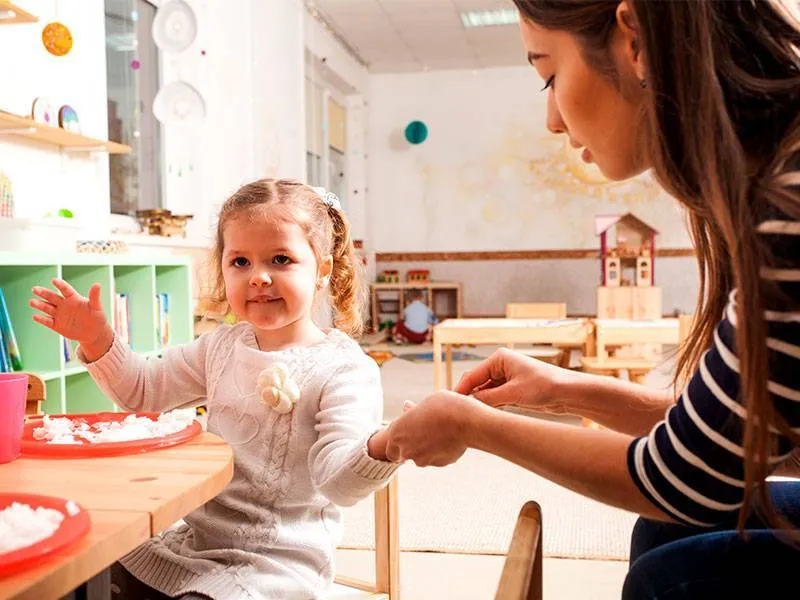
(541, 310)
(387, 554)
(521, 578)
(37, 393)
(536, 310)
(637, 368)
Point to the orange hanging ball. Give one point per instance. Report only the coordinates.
(57, 38)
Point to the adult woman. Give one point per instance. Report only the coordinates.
(706, 93)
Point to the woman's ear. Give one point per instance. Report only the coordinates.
(631, 40)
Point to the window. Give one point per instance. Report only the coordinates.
(132, 70)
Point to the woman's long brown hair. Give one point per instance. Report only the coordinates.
(720, 120)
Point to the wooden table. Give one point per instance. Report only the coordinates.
(129, 499)
(615, 332)
(429, 287)
(566, 332)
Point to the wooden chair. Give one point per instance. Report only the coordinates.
(521, 578)
(556, 355)
(536, 310)
(637, 368)
(387, 554)
(37, 392)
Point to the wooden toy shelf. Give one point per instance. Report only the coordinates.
(18, 16)
(14, 125)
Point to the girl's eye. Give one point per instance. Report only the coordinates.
(549, 83)
(282, 259)
(240, 261)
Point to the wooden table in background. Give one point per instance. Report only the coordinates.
(567, 332)
(429, 287)
(617, 332)
(129, 499)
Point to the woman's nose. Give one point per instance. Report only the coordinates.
(555, 124)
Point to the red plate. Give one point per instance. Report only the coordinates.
(72, 528)
(40, 448)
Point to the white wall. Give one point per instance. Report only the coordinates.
(43, 178)
(251, 78)
(489, 176)
(348, 83)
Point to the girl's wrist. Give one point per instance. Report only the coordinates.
(376, 445)
(97, 348)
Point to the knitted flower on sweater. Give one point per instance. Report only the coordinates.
(276, 389)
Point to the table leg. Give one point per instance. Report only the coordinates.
(375, 317)
(437, 363)
(96, 588)
(449, 365)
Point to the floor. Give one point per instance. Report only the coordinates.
(435, 576)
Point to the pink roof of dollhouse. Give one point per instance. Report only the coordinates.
(603, 223)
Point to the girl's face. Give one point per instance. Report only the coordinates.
(599, 115)
(271, 276)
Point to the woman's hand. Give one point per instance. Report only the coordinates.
(435, 432)
(508, 378)
(74, 316)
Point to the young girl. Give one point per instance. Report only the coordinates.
(299, 406)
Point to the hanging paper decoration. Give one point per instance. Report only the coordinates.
(175, 26)
(416, 132)
(57, 38)
(178, 103)
(68, 119)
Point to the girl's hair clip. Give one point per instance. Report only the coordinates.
(329, 198)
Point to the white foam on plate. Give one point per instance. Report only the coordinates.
(63, 430)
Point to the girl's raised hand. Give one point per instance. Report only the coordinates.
(74, 316)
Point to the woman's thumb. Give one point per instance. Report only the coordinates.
(490, 396)
(408, 405)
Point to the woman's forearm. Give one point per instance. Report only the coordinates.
(625, 407)
(590, 462)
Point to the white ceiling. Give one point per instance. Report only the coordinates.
(395, 36)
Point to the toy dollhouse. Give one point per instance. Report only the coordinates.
(627, 260)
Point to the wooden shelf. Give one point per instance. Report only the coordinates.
(20, 16)
(55, 136)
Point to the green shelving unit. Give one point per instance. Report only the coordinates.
(70, 389)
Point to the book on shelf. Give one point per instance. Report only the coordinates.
(9, 339)
(122, 323)
(69, 355)
(162, 319)
(5, 364)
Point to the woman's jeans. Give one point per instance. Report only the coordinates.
(671, 561)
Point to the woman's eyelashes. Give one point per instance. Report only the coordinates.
(549, 83)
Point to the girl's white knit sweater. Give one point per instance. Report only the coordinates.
(272, 532)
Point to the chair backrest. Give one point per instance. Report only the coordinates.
(684, 327)
(37, 393)
(521, 578)
(536, 310)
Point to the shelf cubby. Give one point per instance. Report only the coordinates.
(70, 388)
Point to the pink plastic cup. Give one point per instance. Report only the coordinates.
(13, 393)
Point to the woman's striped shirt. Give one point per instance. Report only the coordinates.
(691, 465)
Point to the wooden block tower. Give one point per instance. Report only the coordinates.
(627, 258)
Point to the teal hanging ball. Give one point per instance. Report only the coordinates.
(416, 132)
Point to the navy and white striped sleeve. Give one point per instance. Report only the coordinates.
(691, 465)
